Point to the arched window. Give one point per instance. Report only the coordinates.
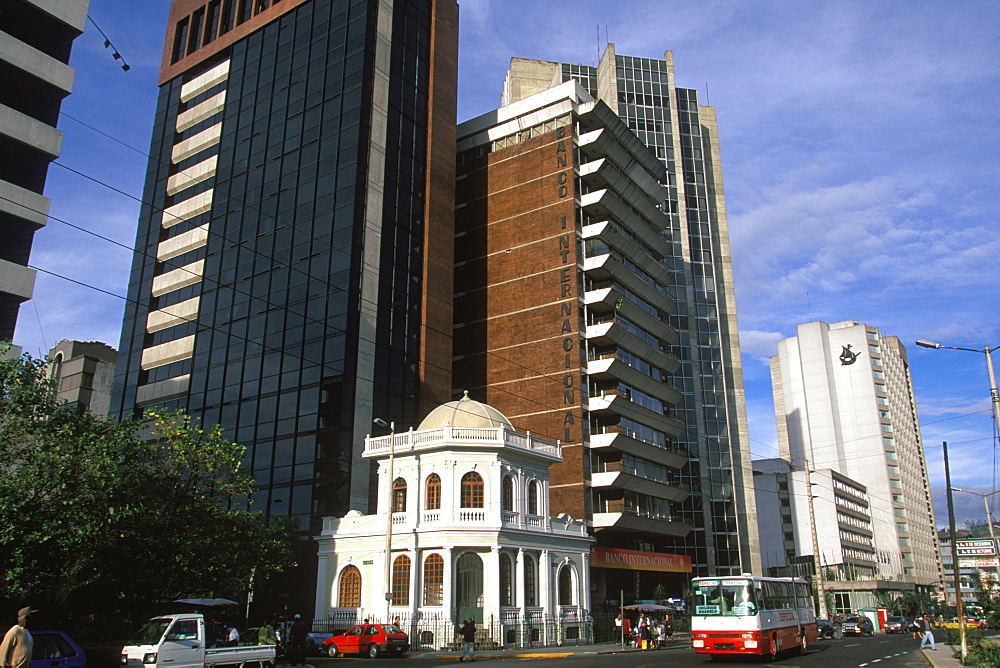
(433, 492)
(506, 580)
(508, 493)
(533, 497)
(472, 490)
(349, 595)
(530, 595)
(566, 586)
(434, 580)
(401, 580)
(399, 495)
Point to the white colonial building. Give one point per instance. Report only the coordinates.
(470, 536)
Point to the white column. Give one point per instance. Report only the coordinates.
(324, 585)
(543, 504)
(491, 585)
(448, 586)
(519, 590)
(545, 591)
(583, 602)
(416, 575)
(521, 499)
(449, 492)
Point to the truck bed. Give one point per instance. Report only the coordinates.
(217, 656)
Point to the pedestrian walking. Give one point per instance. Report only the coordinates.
(15, 650)
(297, 641)
(928, 632)
(469, 638)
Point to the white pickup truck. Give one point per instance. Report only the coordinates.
(179, 641)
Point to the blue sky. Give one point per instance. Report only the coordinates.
(859, 146)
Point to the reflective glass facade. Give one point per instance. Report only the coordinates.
(280, 281)
(683, 134)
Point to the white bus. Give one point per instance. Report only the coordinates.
(751, 615)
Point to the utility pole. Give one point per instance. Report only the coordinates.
(824, 613)
(956, 570)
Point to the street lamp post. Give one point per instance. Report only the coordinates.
(986, 350)
(388, 522)
(956, 570)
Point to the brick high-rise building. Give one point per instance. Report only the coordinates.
(714, 441)
(35, 41)
(561, 315)
(292, 274)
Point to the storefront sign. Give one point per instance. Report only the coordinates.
(609, 557)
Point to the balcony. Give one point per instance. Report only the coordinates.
(622, 476)
(611, 367)
(670, 454)
(448, 436)
(624, 407)
(617, 515)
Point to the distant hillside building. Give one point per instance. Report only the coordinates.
(35, 41)
(844, 401)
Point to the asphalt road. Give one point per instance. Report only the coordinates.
(880, 650)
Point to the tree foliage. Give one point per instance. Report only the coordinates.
(103, 517)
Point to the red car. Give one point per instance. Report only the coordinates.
(371, 639)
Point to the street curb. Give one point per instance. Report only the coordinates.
(929, 658)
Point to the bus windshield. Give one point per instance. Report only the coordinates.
(729, 598)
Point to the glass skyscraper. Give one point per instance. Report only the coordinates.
(302, 168)
(684, 135)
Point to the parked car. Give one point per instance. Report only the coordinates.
(897, 625)
(55, 649)
(969, 623)
(824, 628)
(314, 643)
(858, 626)
(371, 639)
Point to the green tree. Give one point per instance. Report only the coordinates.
(109, 518)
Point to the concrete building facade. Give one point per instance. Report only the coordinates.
(703, 342)
(84, 372)
(844, 401)
(470, 536)
(36, 37)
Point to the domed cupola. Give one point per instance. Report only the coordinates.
(465, 412)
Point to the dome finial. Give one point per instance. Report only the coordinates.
(465, 394)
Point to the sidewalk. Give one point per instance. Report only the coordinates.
(678, 641)
(945, 656)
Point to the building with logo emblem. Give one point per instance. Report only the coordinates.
(843, 400)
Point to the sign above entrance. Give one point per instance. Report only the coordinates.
(633, 560)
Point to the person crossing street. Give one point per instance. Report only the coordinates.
(927, 633)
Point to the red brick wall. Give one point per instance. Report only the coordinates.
(518, 238)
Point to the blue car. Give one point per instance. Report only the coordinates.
(55, 649)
